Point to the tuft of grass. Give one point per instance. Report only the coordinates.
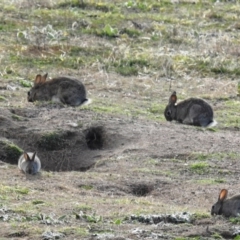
(3, 99)
(201, 215)
(37, 202)
(10, 152)
(216, 236)
(17, 189)
(130, 67)
(86, 187)
(234, 220)
(108, 31)
(54, 140)
(210, 181)
(199, 167)
(82, 207)
(79, 231)
(25, 83)
(237, 237)
(16, 117)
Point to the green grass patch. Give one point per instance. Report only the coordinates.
(37, 202)
(199, 167)
(16, 117)
(16, 189)
(79, 231)
(26, 83)
(54, 140)
(235, 220)
(3, 99)
(86, 187)
(211, 181)
(198, 216)
(214, 156)
(82, 207)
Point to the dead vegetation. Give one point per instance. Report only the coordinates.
(115, 169)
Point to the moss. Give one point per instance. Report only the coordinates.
(54, 140)
(9, 152)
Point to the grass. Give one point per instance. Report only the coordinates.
(53, 140)
(12, 151)
(130, 55)
(18, 190)
(199, 167)
(210, 181)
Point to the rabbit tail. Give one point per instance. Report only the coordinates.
(212, 124)
(86, 101)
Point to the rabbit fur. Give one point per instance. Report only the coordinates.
(29, 163)
(67, 90)
(192, 111)
(226, 207)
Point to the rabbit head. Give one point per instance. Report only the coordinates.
(171, 109)
(217, 208)
(31, 167)
(29, 163)
(33, 93)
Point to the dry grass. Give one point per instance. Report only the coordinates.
(130, 55)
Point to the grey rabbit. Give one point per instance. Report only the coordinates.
(226, 207)
(29, 163)
(192, 111)
(61, 89)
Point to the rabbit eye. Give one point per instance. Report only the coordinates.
(168, 113)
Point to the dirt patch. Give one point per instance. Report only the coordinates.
(75, 142)
(121, 159)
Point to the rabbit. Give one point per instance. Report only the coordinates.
(67, 90)
(29, 163)
(192, 111)
(227, 208)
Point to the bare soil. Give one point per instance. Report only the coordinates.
(116, 166)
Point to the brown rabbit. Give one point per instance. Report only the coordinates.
(192, 111)
(226, 207)
(61, 89)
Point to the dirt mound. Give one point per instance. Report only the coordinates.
(80, 138)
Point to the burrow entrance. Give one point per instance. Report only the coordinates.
(63, 150)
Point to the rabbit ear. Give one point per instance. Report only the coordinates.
(33, 156)
(38, 79)
(45, 77)
(173, 98)
(26, 156)
(223, 195)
